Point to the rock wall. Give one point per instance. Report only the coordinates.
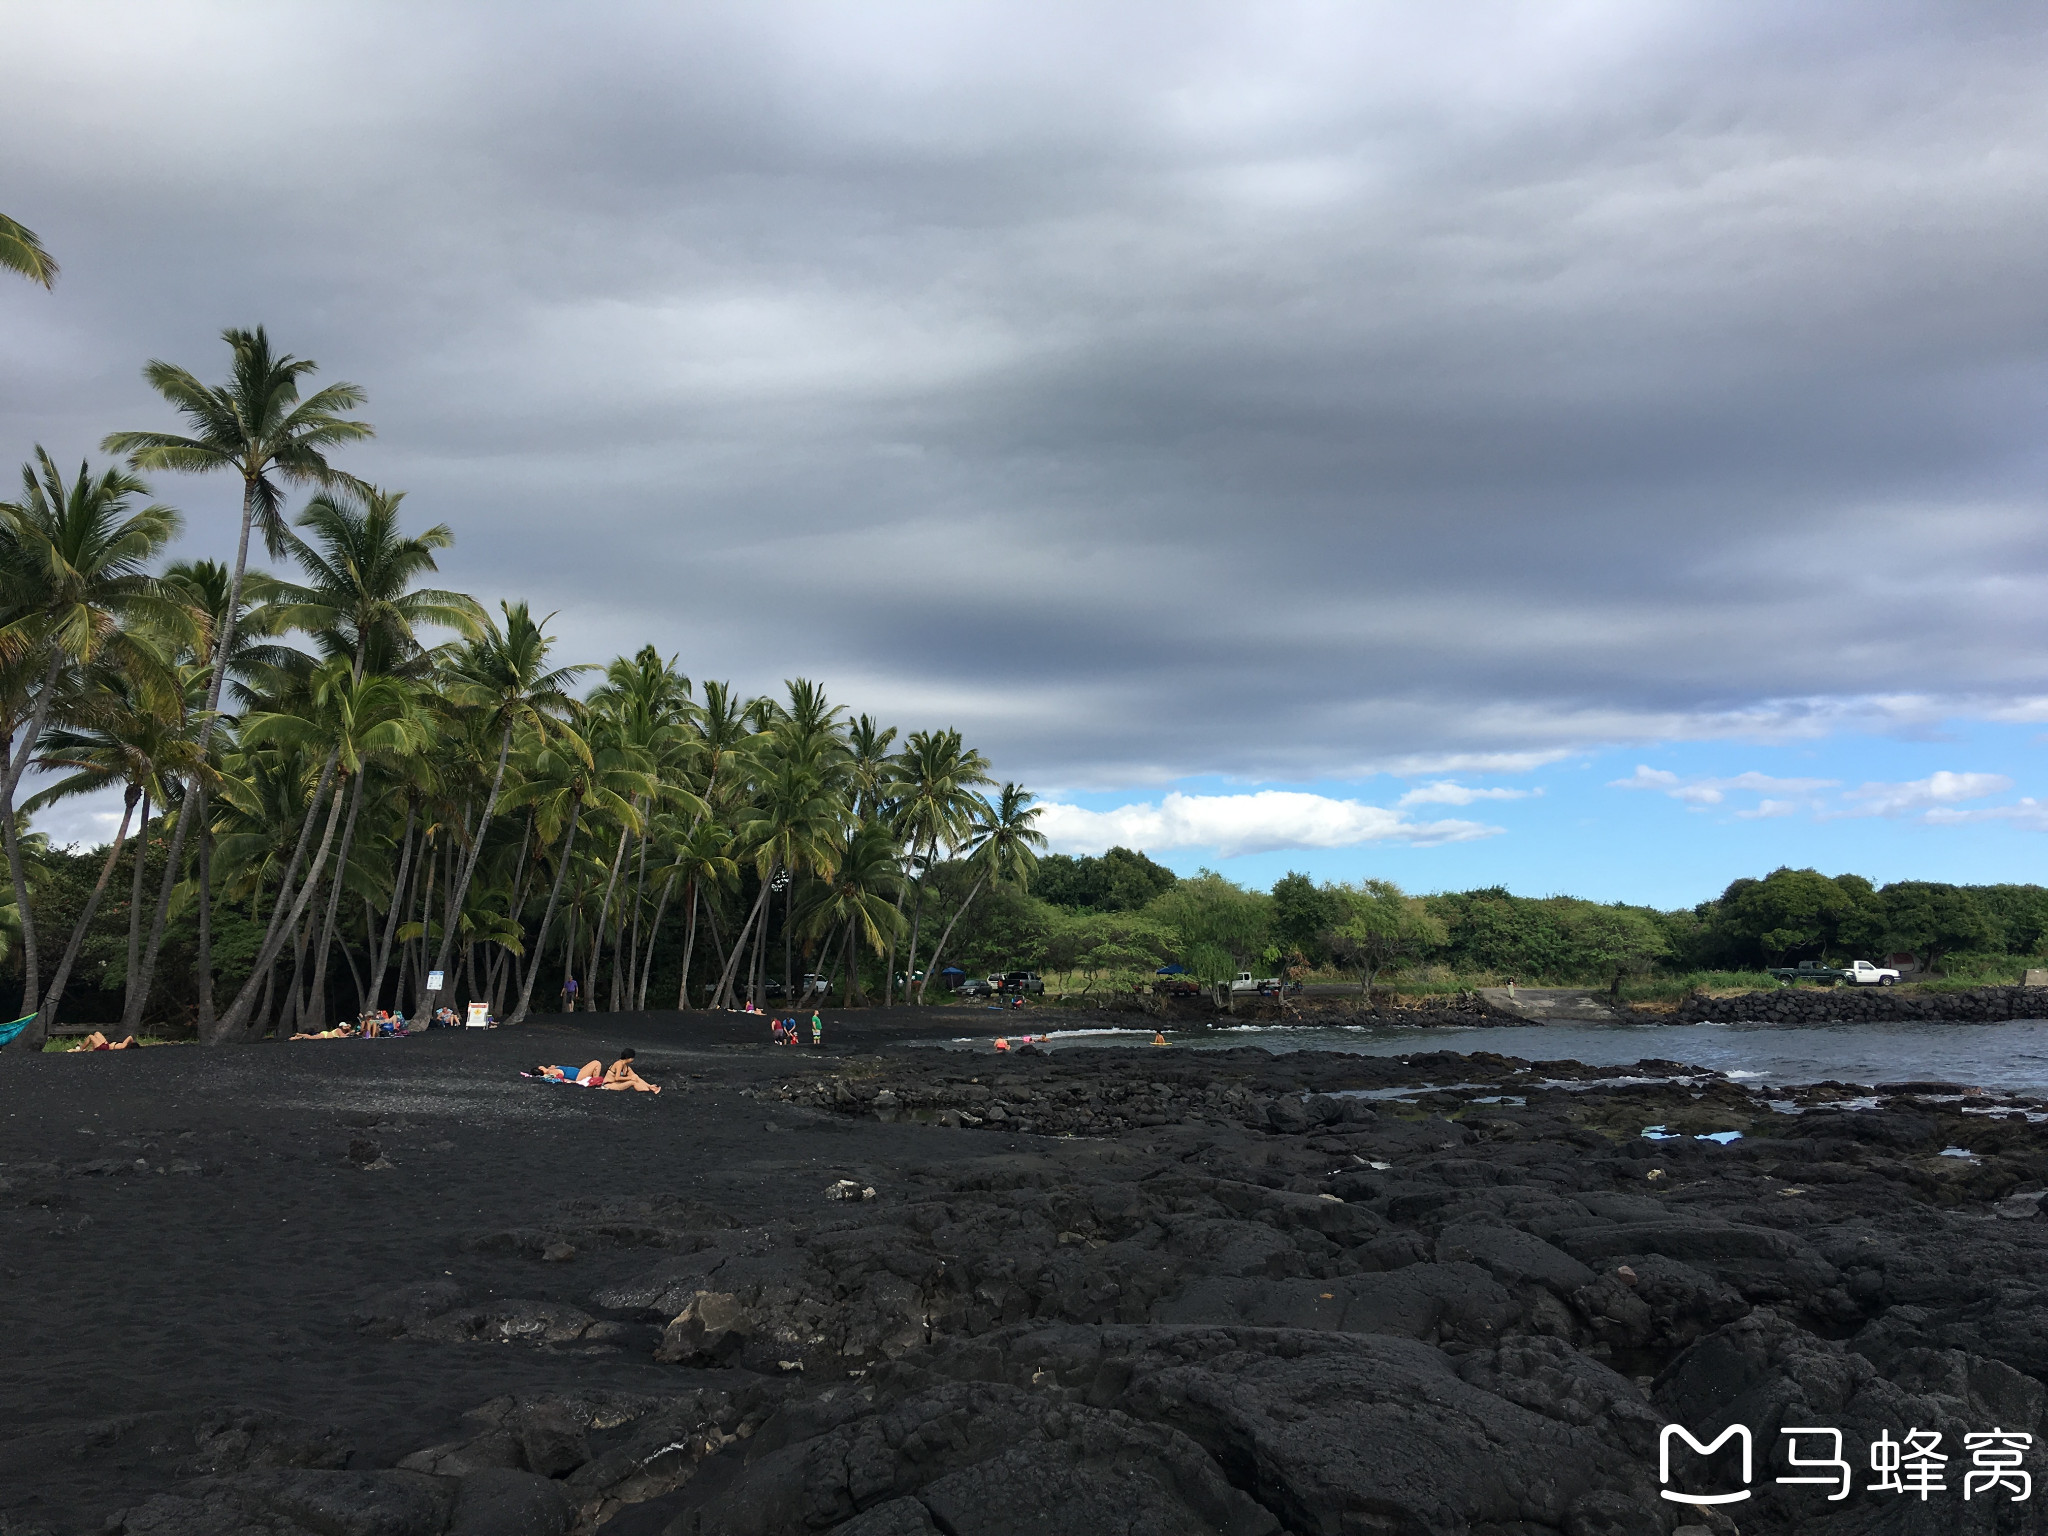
(1865, 1005)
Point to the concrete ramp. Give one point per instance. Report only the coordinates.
(1556, 1005)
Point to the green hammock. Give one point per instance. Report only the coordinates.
(9, 1032)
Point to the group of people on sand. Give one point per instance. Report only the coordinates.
(386, 1024)
(619, 1076)
(786, 1031)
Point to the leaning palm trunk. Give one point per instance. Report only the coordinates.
(540, 943)
(31, 961)
(195, 805)
(722, 996)
(135, 916)
(939, 948)
(604, 912)
(916, 918)
(236, 1019)
(646, 970)
(223, 646)
(689, 947)
(460, 893)
(316, 995)
(398, 893)
(47, 1014)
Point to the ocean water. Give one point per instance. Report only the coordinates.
(2009, 1058)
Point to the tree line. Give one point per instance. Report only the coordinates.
(1112, 920)
(337, 781)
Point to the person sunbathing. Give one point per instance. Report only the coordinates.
(589, 1075)
(339, 1032)
(620, 1075)
(99, 1042)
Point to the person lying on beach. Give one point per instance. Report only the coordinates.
(340, 1031)
(99, 1042)
(589, 1075)
(620, 1075)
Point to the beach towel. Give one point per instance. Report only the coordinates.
(9, 1033)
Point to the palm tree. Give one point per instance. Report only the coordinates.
(359, 590)
(935, 784)
(362, 719)
(797, 827)
(869, 767)
(75, 586)
(505, 674)
(124, 741)
(257, 427)
(1003, 846)
(351, 719)
(561, 777)
(856, 895)
(702, 857)
(21, 251)
(643, 705)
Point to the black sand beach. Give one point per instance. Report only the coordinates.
(393, 1288)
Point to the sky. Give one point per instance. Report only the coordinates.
(1589, 447)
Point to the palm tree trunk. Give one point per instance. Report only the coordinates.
(47, 1014)
(916, 917)
(639, 902)
(398, 894)
(604, 912)
(296, 1007)
(198, 795)
(39, 716)
(237, 1016)
(318, 992)
(419, 969)
(723, 993)
(135, 917)
(851, 954)
(540, 944)
(940, 947)
(31, 961)
(476, 848)
(689, 949)
(223, 645)
(646, 970)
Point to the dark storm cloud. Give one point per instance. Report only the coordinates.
(1437, 385)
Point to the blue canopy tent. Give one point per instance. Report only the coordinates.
(1171, 970)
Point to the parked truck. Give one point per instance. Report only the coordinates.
(1262, 985)
(1809, 970)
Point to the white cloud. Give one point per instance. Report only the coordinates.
(1451, 792)
(1764, 809)
(1269, 820)
(2026, 812)
(1701, 791)
(1936, 791)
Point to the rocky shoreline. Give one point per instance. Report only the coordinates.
(392, 1289)
(1865, 1005)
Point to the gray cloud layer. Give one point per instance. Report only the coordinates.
(1439, 385)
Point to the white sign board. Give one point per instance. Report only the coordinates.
(479, 1015)
(434, 979)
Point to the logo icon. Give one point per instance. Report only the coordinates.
(1737, 1432)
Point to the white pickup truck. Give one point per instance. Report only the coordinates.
(1863, 974)
(1246, 982)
